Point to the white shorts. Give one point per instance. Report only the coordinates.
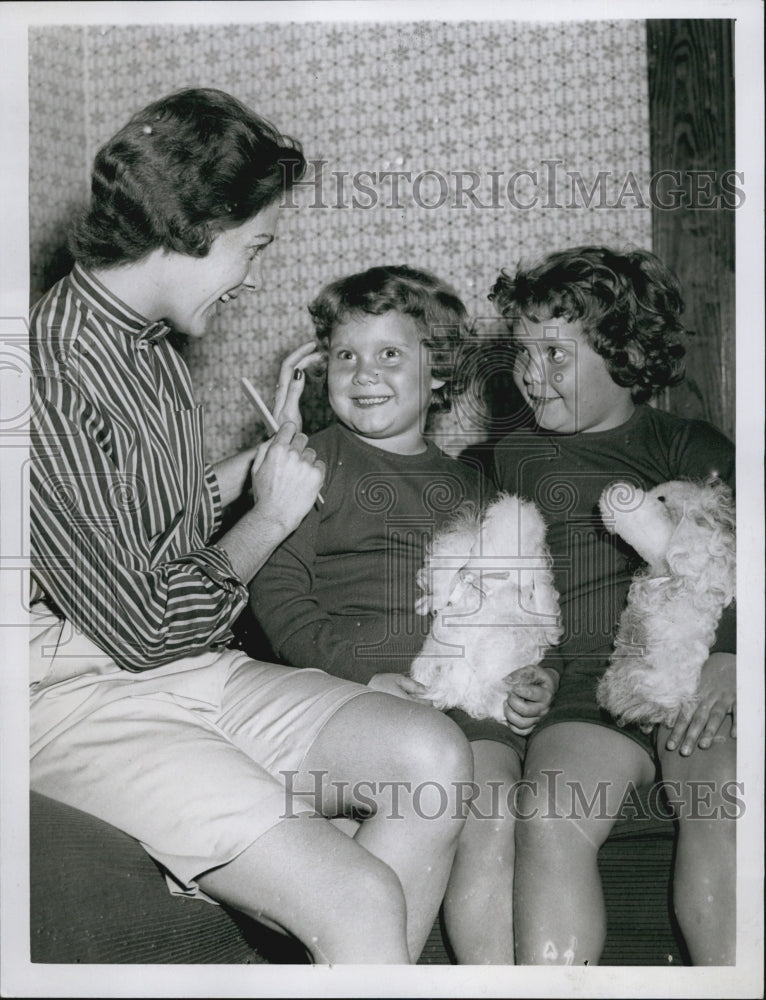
(186, 757)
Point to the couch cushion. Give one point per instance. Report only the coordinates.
(97, 897)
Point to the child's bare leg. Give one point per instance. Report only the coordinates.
(378, 739)
(577, 775)
(704, 885)
(478, 904)
(342, 903)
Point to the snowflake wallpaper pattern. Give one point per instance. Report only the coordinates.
(461, 147)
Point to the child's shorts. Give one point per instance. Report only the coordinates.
(575, 701)
(488, 729)
(185, 758)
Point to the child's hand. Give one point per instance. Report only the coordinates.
(718, 699)
(399, 685)
(532, 690)
(290, 388)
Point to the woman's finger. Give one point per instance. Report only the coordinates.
(299, 442)
(411, 685)
(260, 454)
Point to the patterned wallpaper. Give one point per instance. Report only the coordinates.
(58, 175)
(510, 139)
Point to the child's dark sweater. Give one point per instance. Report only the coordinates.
(339, 593)
(566, 474)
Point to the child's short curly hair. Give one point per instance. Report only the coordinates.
(628, 304)
(182, 170)
(435, 307)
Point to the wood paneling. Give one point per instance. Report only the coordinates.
(691, 101)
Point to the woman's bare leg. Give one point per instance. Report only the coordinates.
(342, 903)
(375, 745)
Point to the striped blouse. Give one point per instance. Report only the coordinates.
(123, 504)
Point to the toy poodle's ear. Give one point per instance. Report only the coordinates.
(447, 553)
(703, 547)
(544, 601)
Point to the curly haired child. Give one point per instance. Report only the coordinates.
(597, 333)
(340, 593)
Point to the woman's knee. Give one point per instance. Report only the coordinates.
(434, 749)
(339, 898)
(362, 915)
(371, 887)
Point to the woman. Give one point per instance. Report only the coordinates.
(140, 714)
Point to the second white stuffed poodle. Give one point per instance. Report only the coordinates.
(685, 531)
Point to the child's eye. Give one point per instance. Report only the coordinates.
(344, 355)
(391, 352)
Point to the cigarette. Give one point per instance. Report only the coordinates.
(255, 397)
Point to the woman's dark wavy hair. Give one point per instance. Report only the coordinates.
(434, 306)
(182, 170)
(629, 306)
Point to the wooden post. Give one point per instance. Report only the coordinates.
(691, 113)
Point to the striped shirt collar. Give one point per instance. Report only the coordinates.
(114, 310)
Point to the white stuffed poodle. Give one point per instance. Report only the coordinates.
(685, 531)
(487, 581)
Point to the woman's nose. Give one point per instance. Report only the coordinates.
(253, 279)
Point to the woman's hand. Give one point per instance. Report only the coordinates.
(286, 477)
(232, 474)
(400, 685)
(530, 697)
(717, 699)
(291, 382)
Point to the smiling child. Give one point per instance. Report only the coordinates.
(340, 592)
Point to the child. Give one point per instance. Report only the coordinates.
(340, 592)
(597, 334)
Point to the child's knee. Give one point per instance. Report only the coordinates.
(548, 828)
(712, 798)
(708, 840)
